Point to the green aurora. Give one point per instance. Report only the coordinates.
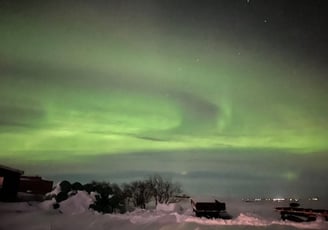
(85, 82)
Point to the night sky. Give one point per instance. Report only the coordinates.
(227, 97)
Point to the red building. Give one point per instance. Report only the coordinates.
(34, 185)
(9, 183)
(12, 181)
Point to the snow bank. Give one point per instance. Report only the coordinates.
(75, 215)
(77, 203)
(18, 207)
(251, 220)
(166, 207)
(242, 219)
(47, 204)
(55, 191)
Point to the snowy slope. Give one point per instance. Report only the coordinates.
(74, 214)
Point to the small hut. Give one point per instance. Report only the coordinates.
(9, 183)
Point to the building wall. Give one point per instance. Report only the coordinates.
(35, 185)
(10, 185)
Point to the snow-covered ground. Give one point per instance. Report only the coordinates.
(74, 214)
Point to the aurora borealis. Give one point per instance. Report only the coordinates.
(82, 80)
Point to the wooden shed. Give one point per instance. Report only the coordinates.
(9, 183)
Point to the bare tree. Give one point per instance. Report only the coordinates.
(163, 189)
(141, 193)
(127, 193)
(113, 198)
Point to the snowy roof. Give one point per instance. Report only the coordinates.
(11, 169)
(205, 198)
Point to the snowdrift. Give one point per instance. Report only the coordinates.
(74, 213)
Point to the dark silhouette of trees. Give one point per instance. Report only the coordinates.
(163, 189)
(141, 193)
(109, 197)
(112, 198)
(61, 196)
(156, 187)
(77, 186)
(65, 186)
(117, 199)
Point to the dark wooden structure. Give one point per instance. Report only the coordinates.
(210, 209)
(301, 214)
(34, 185)
(9, 183)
